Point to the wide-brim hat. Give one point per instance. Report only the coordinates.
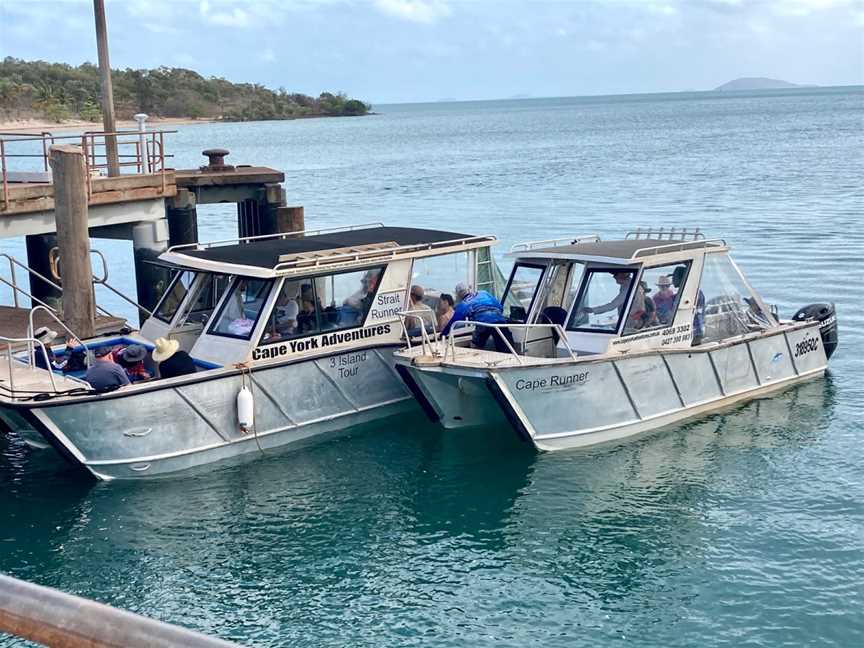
(134, 353)
(164, 349)
(44, 334)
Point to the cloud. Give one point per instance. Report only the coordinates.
(224, 17)
(419, 11)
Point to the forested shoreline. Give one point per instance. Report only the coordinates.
(57, 92)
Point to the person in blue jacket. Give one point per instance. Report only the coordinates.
(480, 306)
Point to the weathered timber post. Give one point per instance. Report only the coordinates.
(290, 219)
(272, 199)
(182, 218)
(69, 177)
(108, 121)
(149, 240)
(39, 248)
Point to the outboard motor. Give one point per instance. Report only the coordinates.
(827, 318)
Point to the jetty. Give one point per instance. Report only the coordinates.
(59, 192)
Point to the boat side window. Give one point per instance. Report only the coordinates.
(174, 296)
(521, 289)
(657, 295)
(602, 300)
(294, 313)
(242, 308)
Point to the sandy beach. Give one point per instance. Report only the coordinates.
(38, 126)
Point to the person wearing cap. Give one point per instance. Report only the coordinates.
(479, 306)
(422, 311)
(172, 362)
(664, 299)
(131, 358)
(104, 373)
(46, 336)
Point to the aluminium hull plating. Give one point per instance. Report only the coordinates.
(134, 434)
(585, 402)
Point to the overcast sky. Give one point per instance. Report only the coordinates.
(425, 50)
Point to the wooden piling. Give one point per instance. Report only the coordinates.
(108, 121)
(290, 219)
(182, 218)
(73, 238)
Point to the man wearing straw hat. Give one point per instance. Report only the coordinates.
(171, 361)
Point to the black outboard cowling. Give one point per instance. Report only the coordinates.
(827, 318)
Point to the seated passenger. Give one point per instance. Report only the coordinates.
(357, 304)
(425, 313)
(480, 306)
(172, 361)
(132, 360)
(306, 320)
(285, 319)
(46, 336)
(445, 310)
(104, 373)
(664, 299)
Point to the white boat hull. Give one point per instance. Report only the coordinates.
(584, 402)
(127, 434)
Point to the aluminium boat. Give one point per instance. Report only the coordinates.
(304, 324)
(615, 338)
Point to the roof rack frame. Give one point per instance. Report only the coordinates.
(676, 247)
(567, 240)
(672, 234)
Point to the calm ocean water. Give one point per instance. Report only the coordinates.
(742, 528)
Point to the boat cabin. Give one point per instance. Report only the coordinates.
(645, 291)
(261, 299)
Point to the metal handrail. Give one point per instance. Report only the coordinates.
(677, 247)
(103, 281)
(259, 237)
(73, 335)
(30, 341)
(567, 240)
(425, 340)
(451, 343)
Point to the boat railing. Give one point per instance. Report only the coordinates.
(379, 254)
(498, 329)
(676, 247)
(567, 240)
(70, 333)
(13, 284)
(277, 235)
(427, 339)
(9, 343)
(663, 233)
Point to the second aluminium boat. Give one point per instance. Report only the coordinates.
(614, 338)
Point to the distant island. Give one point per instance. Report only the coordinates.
(56, 92)
(758, 83)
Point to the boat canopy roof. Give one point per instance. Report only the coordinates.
(281, 254)
(628, 251)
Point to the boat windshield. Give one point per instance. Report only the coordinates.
(602, 300)
(207, 293)
(521, 289)
(726, 306)
(175, 295)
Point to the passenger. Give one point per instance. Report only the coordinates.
(417, 304)
(105, 374)
(285, 319)
(480, 306)
(699, 313)
(132, 360)
(306, 320)
(172, 361)
(445, 310)
(620, 300)
(362, 299)
(46, 336)
(664, 299)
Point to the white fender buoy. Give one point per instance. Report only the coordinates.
(245, 409)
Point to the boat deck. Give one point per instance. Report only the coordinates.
(29, 380)
(471, 357)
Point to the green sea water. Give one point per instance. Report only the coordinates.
(745, 527)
